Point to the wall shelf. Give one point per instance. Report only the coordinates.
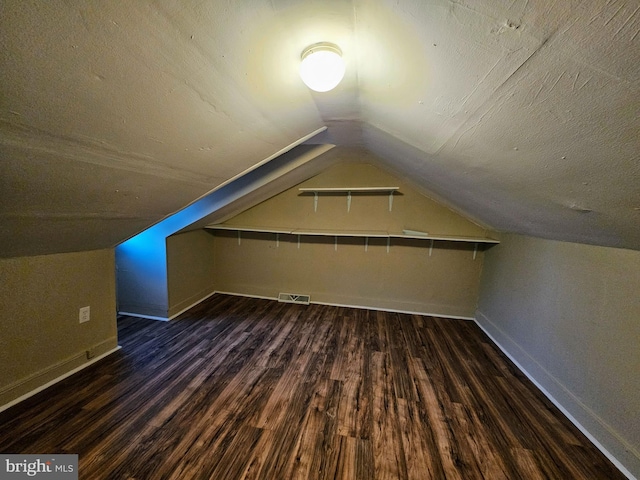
(355, 233)
(348, 191)
(236, 228)
(342, 233)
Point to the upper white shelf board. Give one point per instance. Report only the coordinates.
(348, 189)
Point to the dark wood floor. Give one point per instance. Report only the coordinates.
(255, 389)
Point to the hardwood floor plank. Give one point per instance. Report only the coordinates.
(279, 462)
(325, 443)
(260, 454)
(235, 460)
(354, 416)
(436, 404)
(388, 452)
(483, 411)
(527, 464)
(320, 412)
(346, 466)
(472, 433)
(352, 367)
(283, 393)
(241, 388)
(344, 335)
(400, 353)
(418, 443)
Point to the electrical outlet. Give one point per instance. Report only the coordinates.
(85, 314)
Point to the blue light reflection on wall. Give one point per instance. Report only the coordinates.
(141, 261)
(142, 266)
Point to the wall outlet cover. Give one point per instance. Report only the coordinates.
(85, 314)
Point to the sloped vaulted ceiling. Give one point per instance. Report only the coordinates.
(113, 115)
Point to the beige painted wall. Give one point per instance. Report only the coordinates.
(40, 335)
(569, 314)
(411, 210)
(190, 269)
(405, 278)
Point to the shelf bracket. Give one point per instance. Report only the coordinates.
(430, 247)
(239, 238)
(335, 243)
(475, 250)
(390, 200)
(298, 242)
(348, 202)
(366, 244)
(388, 243)
(277, 240)
(315, 201)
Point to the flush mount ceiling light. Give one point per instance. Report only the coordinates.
(322, 66)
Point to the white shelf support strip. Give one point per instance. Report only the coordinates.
(298, 242)
(366, 244)
(388, 243)
(430, 247)
(335, 243)
(348, 191)
(475, 250)
(277, 240)
(239, 238)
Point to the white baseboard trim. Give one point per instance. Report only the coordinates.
(494, 332)
(377, 309)
(166, 319)
(393, 310)
(192, 305)
(260, 297)
(57, 379)
(140, 315)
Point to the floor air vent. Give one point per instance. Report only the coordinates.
(293, 298)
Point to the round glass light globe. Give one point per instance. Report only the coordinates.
(322, 69)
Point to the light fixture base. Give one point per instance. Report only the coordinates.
(322, 67)
(321, 47)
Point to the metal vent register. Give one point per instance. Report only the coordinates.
(294, 298)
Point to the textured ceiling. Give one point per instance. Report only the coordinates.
(113, 115)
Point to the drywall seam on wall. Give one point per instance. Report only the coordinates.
(32, 384)
(560, 396)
